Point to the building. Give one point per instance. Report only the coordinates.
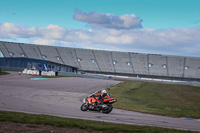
(107, 62)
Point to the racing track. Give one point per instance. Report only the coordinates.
(63, 97)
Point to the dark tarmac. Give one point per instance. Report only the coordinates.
(63, 97)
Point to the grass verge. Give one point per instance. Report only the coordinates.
(4, 73)
(157, 98)
(78, 123)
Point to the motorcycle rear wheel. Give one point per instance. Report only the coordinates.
(84, 107)
(108, 110)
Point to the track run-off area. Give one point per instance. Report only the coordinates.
(63, 97)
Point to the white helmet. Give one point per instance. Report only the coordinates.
(103, 91)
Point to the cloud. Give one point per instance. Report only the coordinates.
(51, 42)
(16, 30)
(41, 41)
(175, 41)
(52, 31)
(108, 20)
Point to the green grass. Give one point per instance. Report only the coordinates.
(4, 73)
(157, 98)
(82, 124)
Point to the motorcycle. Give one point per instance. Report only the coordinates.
(93, 104)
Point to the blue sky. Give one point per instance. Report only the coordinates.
(148, 26)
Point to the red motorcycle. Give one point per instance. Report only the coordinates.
(93, 103)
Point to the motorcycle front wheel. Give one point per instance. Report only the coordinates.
(108, 109)
(84, 107)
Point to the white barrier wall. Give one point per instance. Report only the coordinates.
(48, 73)
(36, 72)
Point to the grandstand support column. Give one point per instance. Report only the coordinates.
(184, 62)
(96, 60)
(6, 48)
(77, 59)
(40, 51)
(1, 53)
(75, 62)
(148, 63)
(39, 56)
(131, 62)
(167, 66)
(112, 62)
(26, 55)
(60, 56)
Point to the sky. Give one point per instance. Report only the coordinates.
(167, 27)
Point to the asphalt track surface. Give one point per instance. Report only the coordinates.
(63, 97)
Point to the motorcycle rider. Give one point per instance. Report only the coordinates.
(103, 96)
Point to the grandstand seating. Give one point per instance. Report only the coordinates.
(87, 60)
(4, 50)
(197, 68)
(14, 49)
(122, 62)
(175, 66)
(108, 61)
(50, 53)
(104, 60)
(68, 56)
(157, 65)
(140, 64)
(191, 68)
(31, 51)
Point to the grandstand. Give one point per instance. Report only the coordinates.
(112, 62)
(86, 60)
(104, 60)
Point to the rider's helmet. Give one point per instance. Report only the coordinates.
(103, 91)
